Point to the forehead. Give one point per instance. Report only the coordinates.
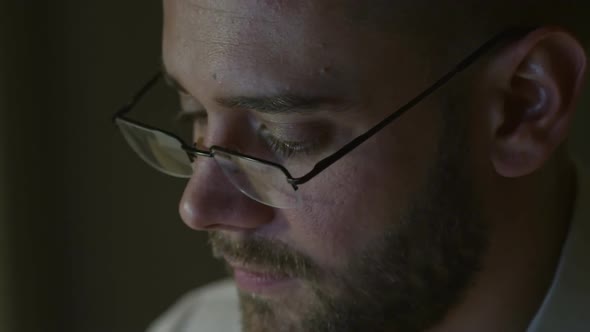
(253, 45)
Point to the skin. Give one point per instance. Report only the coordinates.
(483, 155)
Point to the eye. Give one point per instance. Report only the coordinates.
(191, 117)
(189, 109)
(284, 144)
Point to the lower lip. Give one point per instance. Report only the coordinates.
(256, 282)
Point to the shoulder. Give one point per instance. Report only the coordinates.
(208, 309)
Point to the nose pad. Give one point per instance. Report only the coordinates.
(210, 201)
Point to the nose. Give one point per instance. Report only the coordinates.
(211, 202)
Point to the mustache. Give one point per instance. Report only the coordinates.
(271, 255)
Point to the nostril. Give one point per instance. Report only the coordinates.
(211, 202)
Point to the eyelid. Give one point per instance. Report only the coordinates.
(184, 116)
(190, 109)
(286, 149)
(188, 102)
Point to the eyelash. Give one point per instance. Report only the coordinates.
(286, 149)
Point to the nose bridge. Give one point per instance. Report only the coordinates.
(210, 200)
(227, 128)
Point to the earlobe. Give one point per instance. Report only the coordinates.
(539, 100)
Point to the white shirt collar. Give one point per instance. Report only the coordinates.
(567, 302)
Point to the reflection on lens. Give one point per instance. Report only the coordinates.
(264, 183)
(159, 150)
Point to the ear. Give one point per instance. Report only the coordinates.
(540, 77)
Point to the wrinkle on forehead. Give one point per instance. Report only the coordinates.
(199, 8)
(235, 35)
(231, 25)
(265, 47)
(246, 9)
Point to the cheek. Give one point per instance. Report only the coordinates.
(349, 206)
(346, 210)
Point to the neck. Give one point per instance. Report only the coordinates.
(530, 219)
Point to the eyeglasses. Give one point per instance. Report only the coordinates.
(265, 181)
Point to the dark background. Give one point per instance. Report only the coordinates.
(90, 239)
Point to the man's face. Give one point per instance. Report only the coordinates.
(387, 237)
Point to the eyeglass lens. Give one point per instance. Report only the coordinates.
(264, 183)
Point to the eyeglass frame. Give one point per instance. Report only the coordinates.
(326, 162)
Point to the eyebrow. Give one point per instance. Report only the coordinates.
(275, 104)
(280, 104)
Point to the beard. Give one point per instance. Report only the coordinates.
(405, 281)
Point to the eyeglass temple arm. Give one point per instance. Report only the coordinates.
(326, 162)
(135, 99)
